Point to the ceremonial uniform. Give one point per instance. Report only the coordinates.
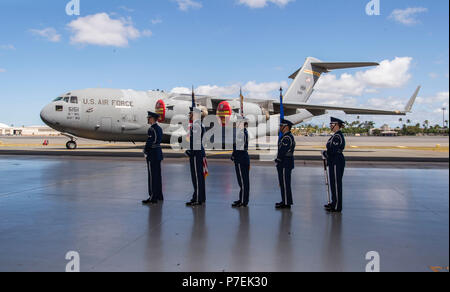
(154, 157)
(285, 165)
(336, 165)
(196, 155)
(241, 161)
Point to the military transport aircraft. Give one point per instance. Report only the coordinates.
(120, 115)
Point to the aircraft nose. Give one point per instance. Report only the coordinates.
(45, 115)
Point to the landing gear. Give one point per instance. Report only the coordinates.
(71, 145)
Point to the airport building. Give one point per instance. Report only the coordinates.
(385, 130)
(6, 130)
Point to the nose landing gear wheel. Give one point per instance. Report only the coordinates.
(71, 145)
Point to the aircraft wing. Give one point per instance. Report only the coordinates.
(351, 110)
(347, 110)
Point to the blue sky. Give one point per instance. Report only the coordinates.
(219, 45)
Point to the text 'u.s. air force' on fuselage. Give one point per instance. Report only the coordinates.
(120, 115)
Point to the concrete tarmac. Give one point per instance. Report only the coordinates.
(50, 206)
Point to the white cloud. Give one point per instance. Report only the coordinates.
(264, 3)
(185, 5)
(440, 98)
(126, 9)
(433, 75)
(389, 103)
(147, 33)
(7, 47)
(252, 89)
(265, 90)
(215, 90)
(331, 89)
(156, 20)
(2, 70)
(49, 33)
(390, 74)
(181, 90)
(346, 84)
(407, 16)
(100, 29)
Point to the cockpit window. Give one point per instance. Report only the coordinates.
(73, 99)
(58, 98)
(66, 99)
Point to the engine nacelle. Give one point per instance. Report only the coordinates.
(251, 111)
(168, 109)
(160, 109)
(224, 112)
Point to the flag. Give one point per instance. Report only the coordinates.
(193, 97)
(205, 168)
(281, 109)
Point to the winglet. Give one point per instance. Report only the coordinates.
(411, 101)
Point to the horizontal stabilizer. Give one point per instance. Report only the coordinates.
(345, 65)
(327, 66)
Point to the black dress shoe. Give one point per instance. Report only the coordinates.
(190, 203)
(327, 206)
(236, 204)
(283, 206)
(149, 202)
(195, 204)
(333, 211)
(279, 204)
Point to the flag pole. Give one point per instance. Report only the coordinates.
(242, 102)
(281, 110)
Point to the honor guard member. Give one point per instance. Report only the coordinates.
(154, 157)
(196, 154)
(241, 161)
(285, 164)
(336, 164)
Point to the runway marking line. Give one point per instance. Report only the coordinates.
(220, 153)
(418, 148)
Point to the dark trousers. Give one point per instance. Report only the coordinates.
(243, 177)
(336, 171)
(284, 178)
(154, 180)
(198, 180)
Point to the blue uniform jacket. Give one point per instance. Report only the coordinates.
(153, 146)
(196, 140)
(286, 147)
(335, 147)
(240, 148)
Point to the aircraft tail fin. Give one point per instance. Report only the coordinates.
(307, 76)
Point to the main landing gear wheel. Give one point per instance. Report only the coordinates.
(71, 145)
